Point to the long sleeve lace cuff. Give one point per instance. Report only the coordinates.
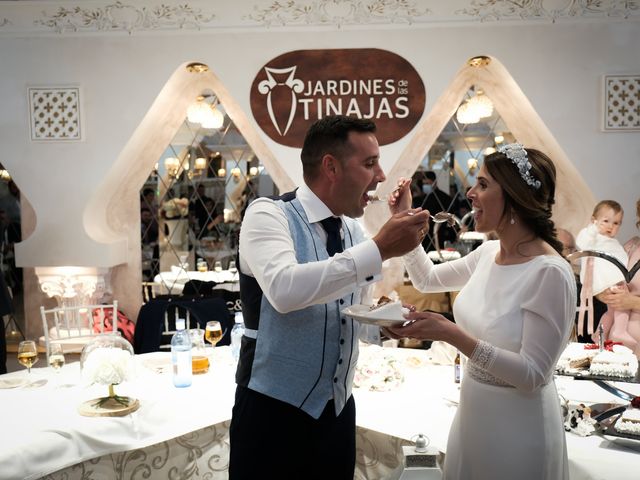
(481, 360)
(483, 355)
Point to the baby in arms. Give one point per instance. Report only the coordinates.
(600, 235)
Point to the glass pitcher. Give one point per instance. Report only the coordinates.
(199, 358)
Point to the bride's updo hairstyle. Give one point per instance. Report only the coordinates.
(529, 192)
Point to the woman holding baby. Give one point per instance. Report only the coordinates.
(628, 300)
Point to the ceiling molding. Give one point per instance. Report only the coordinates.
(109, 17)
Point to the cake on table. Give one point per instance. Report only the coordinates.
(579, 421)
(629, 422)
(575, 358)
(615, 360)
(620, 361)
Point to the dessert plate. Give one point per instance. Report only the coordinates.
(364, 314)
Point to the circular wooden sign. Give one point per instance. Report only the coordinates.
(297, 88)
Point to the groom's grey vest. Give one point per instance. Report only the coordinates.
(305, 357)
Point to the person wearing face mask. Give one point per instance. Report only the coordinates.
(435, 200)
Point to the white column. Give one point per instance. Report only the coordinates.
(72, 286)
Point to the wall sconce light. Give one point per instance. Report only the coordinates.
(482, 104)
(172, 166)
(4, 175)
(472, 165)
(235, 172)
(200, 163)
(213, 119)
(197, 112)
(222, 172)
(498, 139)
(473, 109)
(466, 114)
(253, 171)
(205, 113)
(489, 151)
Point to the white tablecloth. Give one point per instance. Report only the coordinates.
(173, 281)
(43, 432)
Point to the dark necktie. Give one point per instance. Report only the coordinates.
(332, 226)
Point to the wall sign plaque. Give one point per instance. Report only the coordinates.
(297, 88)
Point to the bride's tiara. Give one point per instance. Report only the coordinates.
(518, 155)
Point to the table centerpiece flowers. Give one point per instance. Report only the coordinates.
(108, 360)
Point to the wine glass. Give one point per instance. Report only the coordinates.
(27, 354)
(217, 266)
(232, 266)
(56, 356)
(213, 332)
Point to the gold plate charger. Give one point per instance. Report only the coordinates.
(109, 408)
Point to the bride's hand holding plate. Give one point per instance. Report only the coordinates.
(423, 326)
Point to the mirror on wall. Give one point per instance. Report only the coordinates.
(450, 168)
(192, 204)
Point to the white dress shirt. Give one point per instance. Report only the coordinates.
(267, 253)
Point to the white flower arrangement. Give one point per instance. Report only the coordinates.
(377, 372)
(108, 366)
(176, 208)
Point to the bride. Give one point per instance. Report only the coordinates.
(513, 318)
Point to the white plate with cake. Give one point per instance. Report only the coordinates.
(383, 314)
(616, 362)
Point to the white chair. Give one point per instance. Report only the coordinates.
(74, 327)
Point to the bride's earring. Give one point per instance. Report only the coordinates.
(513, 220)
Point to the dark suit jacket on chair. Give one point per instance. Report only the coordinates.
(150, 324)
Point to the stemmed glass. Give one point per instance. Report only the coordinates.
(27, 354)
(213, 332)
(232, 266)
(56, 357)
(217, 266)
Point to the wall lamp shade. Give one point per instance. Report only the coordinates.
(481, 104)
(197, 112)
(172, 165)
(213, 118)
(222, 172)
(477, 107)
(466, 114)
(200, 163)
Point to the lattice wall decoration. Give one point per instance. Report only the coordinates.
(55, 113)
(622, 103)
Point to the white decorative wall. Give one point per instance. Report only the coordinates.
(120, 56)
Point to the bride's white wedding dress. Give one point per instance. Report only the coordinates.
(509, 423)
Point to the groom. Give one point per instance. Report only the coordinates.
(303, 258)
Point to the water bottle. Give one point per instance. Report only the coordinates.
(236, 335)
(181, 355)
